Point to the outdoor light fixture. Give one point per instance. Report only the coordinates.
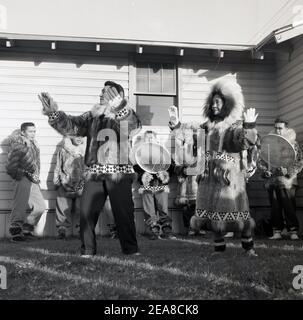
(180, 52)
(259, 55)
(98, 47)
(139, 49)
(9, 43)
(53, 45)
(218, 54)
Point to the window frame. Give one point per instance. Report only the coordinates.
(133, 93)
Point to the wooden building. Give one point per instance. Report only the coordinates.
(155, 74)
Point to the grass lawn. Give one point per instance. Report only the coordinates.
(167, 269)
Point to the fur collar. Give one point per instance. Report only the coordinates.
(72, 149)
(18, 137)
(232, 111)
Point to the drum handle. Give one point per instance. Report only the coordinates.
(268, 152)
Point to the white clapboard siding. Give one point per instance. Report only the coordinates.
(290, 89)
(290, 98)
(258, 83)
(75, 88)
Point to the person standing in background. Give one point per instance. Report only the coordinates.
(281, 184)
(23, 165)
(68, 179)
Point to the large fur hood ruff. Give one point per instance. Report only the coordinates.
(233, 108)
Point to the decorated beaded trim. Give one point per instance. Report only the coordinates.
(155, 188)
(110, 168)
(54, 116)
(225, 216)
(122, 113)
(220, 156)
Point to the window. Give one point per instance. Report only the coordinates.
(155, 92)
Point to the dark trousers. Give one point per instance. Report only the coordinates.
(92, 201)
(155, 206)
(283, 200)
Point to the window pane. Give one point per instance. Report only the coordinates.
(169, 78)
(155, 77)
(152, 110)
(142, 77)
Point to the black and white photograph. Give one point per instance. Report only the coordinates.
(151, 150)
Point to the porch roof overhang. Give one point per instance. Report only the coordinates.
(281, 35)
(207, 46)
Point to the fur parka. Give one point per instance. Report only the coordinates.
(102, 155)
(23, 158)
(222, 202)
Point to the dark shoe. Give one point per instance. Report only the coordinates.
(17, 234)
(18, 238)
(15, 231)
(152, 236)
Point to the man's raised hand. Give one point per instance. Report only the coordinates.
(112, 98)
(48, 103)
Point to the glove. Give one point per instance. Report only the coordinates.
(146, 179)
(49, 105)
(163, 176)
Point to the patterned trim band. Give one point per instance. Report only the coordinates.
(154, 188)
(122, 113)
(109, 168)
(53, 116)
(219, 156)
(225, 216)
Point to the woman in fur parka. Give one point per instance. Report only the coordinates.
(222, 202)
